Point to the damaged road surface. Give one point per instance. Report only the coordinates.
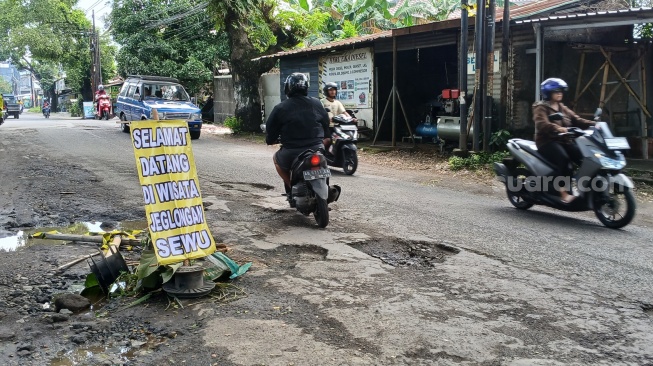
(408, 271)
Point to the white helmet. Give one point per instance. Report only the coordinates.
(100, 87)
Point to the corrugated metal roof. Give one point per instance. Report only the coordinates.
(633, 11)
(527, 9)
(515, 13)
(332, 45)
(535, 8)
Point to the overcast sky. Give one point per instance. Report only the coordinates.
(101, 7)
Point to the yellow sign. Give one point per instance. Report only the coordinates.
(173, 203)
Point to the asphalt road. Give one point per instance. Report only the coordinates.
(516, 267)
(570, 245)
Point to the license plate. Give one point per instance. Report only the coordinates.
(617, 143)
(316, 174)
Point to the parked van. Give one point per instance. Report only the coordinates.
(140, 95)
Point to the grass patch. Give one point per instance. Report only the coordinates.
(234, 124)
(35, 110)
(476, 161)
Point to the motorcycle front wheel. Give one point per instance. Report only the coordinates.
(321, 213)
(350, 162)
(615, 208)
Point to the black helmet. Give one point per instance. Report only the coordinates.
(328, 86)
(296, 83)
(552, 85)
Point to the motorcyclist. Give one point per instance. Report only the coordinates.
(299, 123)
(46, 106)
(334, 106)
(556, 149)
(99, 94)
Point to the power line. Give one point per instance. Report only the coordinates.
(186, 29)
(92, 6)
(194, 10)
(190, 30)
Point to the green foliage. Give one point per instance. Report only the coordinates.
(499, 139)
(476, 161)
(235, 124)
(49, 37)
(5, 86)
(168, 38)
(75, 109)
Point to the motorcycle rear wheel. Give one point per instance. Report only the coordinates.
(515, 198)
(607, 212)
(321, 213)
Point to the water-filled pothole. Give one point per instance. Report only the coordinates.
(407, 253)
(12, 241)
(119, 353)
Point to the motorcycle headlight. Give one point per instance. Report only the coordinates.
(610, 163)
(196, 116)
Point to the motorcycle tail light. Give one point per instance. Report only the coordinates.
(315, 160)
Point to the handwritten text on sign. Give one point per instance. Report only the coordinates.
(173, 202)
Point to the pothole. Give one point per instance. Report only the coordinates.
(288, 255)
(242, 186)
(407, 253)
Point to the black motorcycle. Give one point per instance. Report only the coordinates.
(599, 183)
(343, 152)
(310, 191)
(46, 112)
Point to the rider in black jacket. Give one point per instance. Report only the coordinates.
(299, 122)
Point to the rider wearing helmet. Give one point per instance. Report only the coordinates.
(558, 150)
(99, 93)
(329, 101)
(299, 122)
(335, 107)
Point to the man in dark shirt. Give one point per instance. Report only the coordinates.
(299, 123)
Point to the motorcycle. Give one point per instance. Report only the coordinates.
(309, 185)
(343, 151)
(103, 110)
(310, 191)
(46, 111)
(599, 183)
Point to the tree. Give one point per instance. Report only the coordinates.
(5, 86)
(171, 38)
(346, 18)
(254, 28)
(38, 34)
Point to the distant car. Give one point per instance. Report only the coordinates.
(11, 104)
(141, 94)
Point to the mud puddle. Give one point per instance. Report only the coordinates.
(120, 353)
(407, 253)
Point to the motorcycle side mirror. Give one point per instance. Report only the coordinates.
(555, 117)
